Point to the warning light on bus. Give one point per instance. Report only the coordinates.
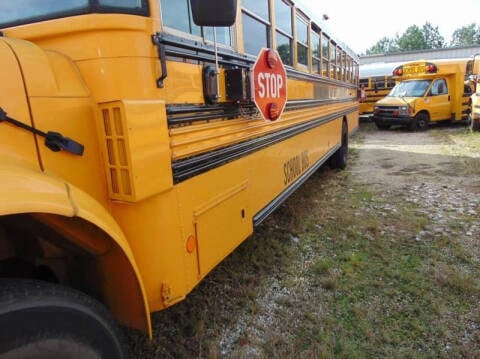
(398, 71)
(430, 68)
(271, 59)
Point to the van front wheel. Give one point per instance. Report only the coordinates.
(422, 120)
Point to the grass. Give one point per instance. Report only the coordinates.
(358, 283)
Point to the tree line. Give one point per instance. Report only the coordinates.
(425, 38)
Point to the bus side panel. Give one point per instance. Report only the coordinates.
(218, 206)
(276, 168)
(353, 122)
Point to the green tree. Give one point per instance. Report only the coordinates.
(412, 39)
(466, 36)
(433, 39)
(383, 46)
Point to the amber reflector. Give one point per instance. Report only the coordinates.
(191, 244)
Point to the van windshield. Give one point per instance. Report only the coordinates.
(410, 88)
(25, 11)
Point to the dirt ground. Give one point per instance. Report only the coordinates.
(396, 158)
(280, 294)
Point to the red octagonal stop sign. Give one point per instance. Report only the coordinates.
(269, 84)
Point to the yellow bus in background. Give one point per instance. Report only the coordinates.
(133, 159)
(426, 92)
(376, 80)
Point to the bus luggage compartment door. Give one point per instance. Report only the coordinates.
(221, 224)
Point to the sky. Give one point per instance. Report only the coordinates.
(360, 24)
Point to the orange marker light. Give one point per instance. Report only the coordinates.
(191, 244)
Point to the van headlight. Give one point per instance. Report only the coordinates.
(404, 110)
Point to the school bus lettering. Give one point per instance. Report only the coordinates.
(295, 166)
(146, 164)
(407, 70)
(305, 161)
(291, 169)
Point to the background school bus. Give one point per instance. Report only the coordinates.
(377, 81)
(426, 91)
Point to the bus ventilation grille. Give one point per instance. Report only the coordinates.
(116, 147)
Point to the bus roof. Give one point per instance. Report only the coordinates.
(378, 69)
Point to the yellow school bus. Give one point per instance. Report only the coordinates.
(377, 81)
(426, 92)
(133, 157)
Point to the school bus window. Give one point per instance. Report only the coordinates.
(333, 52)
(177, 15)
(333, 63)
(256, 26)
(439, 87)
(350, 70)
(302, 41)
(224, 35)
(283, 17)
(325, 55)
(315, 38)
(35, 11)
(126, 4)
(344, 65)
(340, 64)
(325, 43)
(353, 72)
(284, 48)
(258, 7)
(283, 23)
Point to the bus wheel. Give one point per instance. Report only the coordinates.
(43, 320)
(340, 158)
(422, 121)
(475, 124)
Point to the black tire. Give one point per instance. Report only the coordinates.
(382, 126)
(43, 320)
(422, 121)
(340, 158)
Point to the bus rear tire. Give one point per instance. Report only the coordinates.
(44, 320)
(340, 158)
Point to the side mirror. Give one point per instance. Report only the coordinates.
(214, 12)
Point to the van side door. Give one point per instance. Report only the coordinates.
(440, 101)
